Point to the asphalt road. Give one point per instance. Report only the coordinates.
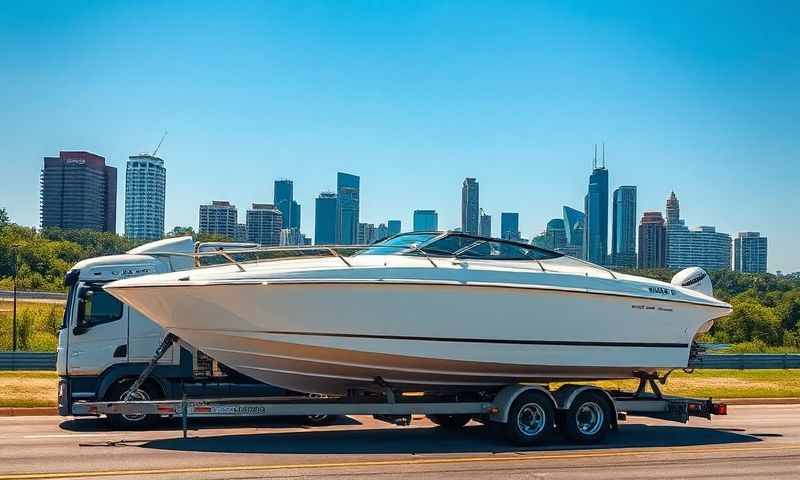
(33, 297)
(751, 442)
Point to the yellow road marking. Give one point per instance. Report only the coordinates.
(374, 463)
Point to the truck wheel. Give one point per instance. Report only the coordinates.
(531, 419)
(588, 419)
(119, 393)
(450, 422)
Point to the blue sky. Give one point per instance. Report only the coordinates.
(697, 97)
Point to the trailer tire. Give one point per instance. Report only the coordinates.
(320, 420)
(531, 419)
(132, 422)
(588, 419)
(450, 422)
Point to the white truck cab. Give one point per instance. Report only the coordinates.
(104, 344)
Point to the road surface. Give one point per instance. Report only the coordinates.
(752, 442)
(33, 297)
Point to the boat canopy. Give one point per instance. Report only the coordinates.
(459, 245)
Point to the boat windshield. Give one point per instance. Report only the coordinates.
(399, 244)
(458, 245)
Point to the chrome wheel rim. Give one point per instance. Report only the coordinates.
(589, 418)
(138, 395)
(531, 419)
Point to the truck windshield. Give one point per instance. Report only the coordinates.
(68, 306)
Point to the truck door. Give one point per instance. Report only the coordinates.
(98, 336)
(144, 337)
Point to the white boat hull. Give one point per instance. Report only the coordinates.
(328, 337)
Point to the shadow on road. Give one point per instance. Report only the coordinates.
(101, 425)
(434, 440)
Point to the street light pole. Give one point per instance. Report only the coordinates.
(14, 315)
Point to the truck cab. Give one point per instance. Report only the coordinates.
(104, 345)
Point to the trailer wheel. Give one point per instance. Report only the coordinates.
(588, 419)
(450, 422)
(531, 419)
(320, 420)
(119, 392)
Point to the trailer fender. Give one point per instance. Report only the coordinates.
(505, 397)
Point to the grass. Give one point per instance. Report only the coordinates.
(39, 389)
(28, 389)
(37, 325)
(725, 384)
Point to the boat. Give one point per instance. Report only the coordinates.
(429, 310)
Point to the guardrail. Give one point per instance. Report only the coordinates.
(744, 361)
(749, 361)
(27, 361)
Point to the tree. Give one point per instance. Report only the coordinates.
(4, 220)
(749, 321)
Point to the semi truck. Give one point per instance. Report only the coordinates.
(104, 345)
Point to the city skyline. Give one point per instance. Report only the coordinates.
(682, 103)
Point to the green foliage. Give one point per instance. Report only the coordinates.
(37, 326)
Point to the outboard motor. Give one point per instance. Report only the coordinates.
(694, 278)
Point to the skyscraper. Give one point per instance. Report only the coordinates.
(573, 229)
(78, 190)
(347, 190)
(750, 253)
(623, 232)
(485, 225)
(554, 237)
(264, 224)
(295, 220)
(325, 219)
(381, 232)
(652, 241)
(509, 225)
(702, 246)
(394, 227)
(366, 233)
(219, 218)
(469, 206)
(145, 187)
(426, 221)
(283, 197)
(595, 244)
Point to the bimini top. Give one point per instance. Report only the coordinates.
(459, 245)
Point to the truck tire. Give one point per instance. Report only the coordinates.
(588, 419)
(531, 419)
(450, 422)
(320, 420)
(118, 392)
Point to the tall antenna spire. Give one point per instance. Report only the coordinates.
(594, 162)
(604, 154)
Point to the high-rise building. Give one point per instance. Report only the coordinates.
(347, 206)
(394, 227)
(573, 228)
(291, 237)
(509, 225)
(219, 218)
(145, 187)
(554, 237)
(426, 221)
(696, 247)
(264, 224)
(282, 199)
(595, 244)
(295, 220)
(366, 233)
(325, 219)
(485, 226)
(469, 206)
(381, 232)
(623, 231)
(78, 190)
(652, 241)
(240, 234)
(750, 253)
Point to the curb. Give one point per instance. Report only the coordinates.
(27, 411)
(762, 401)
